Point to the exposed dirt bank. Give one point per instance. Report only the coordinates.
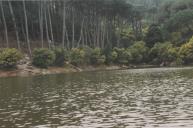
(24, 71)
(25, 68)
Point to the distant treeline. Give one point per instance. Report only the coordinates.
(104, 24)
(68, 23)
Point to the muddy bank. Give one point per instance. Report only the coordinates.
(25, 68)
(28, 70)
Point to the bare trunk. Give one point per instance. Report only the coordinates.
(15, 25)
(73, 31)
(103, 35)
(50, 23)
(89, 37)
(84, 37)
(64, 25)
(98, 34)
(47, 32)
(81, 32)
(41, 24)
(26, 27)
(68, 42)
(5, 24)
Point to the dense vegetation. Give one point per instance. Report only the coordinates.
(128, 32)
(9, 57)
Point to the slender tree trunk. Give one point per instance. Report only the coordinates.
(81, 32)
(103, 35)
(41, 24)
(26, 27)
(73, 28)
(64, 25)
(85, 36)
(15, 25)
(23, 31)
(68, 42)
(89, 37)
(50, 23)
(98, 33)
(66, 31)
(5, 24)
(47, 31)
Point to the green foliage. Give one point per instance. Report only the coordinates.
(186, 52)
(138, 52)
(88, 53)
(62, 55)
(181, 5)
(77, 56)
(43, 57)
(176, 38)
(163, 53)
(9, 57)
(127, 38)
(153, 35)
(97, 57)
(123, 55)
(111, 57)
(171, 7)
(180, 20)
(179, 24)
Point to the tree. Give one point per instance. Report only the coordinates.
(182, 23)
(186, 52)
(163, 53)
(84, 22)
(154, 35)
(15, 25)
(138, 52)
(5, 24)
(26, 29)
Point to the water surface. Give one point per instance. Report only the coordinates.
(140, 98)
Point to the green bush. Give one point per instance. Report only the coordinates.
(88, 53)
(9, 57)
(111, 57)
(77, 56)
(186, 52)
(163, 53)
(97, 57)
(62, 55)
(138, 52)
(153, 35)
(123, 55)
(127, 38)
(43, 57)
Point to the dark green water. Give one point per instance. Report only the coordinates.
(141, 98)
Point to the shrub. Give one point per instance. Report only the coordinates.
(62, 55)
(88, 52)
(77, 56)
(9, 57)
(111, 57)
(153, 35)
(138, 52)
(97, 57)
(127, 38)
(43, 57)
(163, 53)
(186, 52)
(101, 59)
(123, 55)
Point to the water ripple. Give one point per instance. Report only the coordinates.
(140, 98)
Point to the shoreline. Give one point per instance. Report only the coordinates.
(26, 71)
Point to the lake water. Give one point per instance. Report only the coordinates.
(139, 98)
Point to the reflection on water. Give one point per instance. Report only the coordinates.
(140, 98)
